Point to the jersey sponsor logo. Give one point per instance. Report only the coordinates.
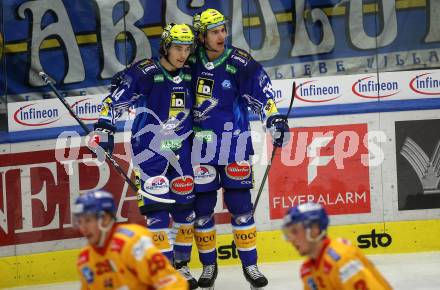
(204, 174)
(226, 84)
(141, 247)
(370, 89)
(205, 102)
(306, 269)
(240, 59)
(332, 253)
(165, 281)
(374, 240)
(312, 284)
(87, 274)
(159, 78)
(157, 185)
(231, 69)
(182, 185)
(314, 92)
(204, 88)
(145, 63)
(103, 267)
(204, 73)
(327, 267)
(146, 66)
(117, 245)
(36, 115)
(425, 84)
(187, 77)
(83, 257)
(125, 232)
(243, 54)
(238, 170)
(350, 269)
(177, 103)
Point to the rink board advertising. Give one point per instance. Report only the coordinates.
(326, 164)
(418, 164)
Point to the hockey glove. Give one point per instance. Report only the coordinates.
(279, 129)
(103, 136)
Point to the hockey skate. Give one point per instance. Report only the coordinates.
(255, 277)
(183, 269)
(207, 279)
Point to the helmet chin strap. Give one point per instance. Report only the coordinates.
(317, 238)
(104, 231)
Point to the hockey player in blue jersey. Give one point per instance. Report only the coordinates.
(160, 90)
(227, 82)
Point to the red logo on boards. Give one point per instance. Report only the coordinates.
(324, 165)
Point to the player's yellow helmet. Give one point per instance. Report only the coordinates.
(208, 19)
(178, 34)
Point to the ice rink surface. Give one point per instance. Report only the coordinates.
(419, 271)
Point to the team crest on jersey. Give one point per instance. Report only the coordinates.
(226, 84)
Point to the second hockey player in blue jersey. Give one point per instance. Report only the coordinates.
(227, 81)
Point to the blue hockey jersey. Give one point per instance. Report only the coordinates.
(225, 89)
(163, 108)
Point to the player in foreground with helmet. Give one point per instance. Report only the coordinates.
(160, 90)
(118, 256)
(228, 81)
(331, 264)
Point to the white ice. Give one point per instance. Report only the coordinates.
(419, 271)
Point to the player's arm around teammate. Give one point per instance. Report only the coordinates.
(331, 264)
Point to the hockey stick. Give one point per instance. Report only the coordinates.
(108, 157)
(266, 173)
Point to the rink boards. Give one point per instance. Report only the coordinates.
(374, 165)
(387, 238)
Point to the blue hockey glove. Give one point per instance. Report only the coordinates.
(279, 129)
(103, 136)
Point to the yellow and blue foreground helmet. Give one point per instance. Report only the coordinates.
(177, 34)
(208, 19)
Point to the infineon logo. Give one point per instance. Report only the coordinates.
(370, 89)
(312, 92)
(87, 108)
(425, 84)
(32, 115)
